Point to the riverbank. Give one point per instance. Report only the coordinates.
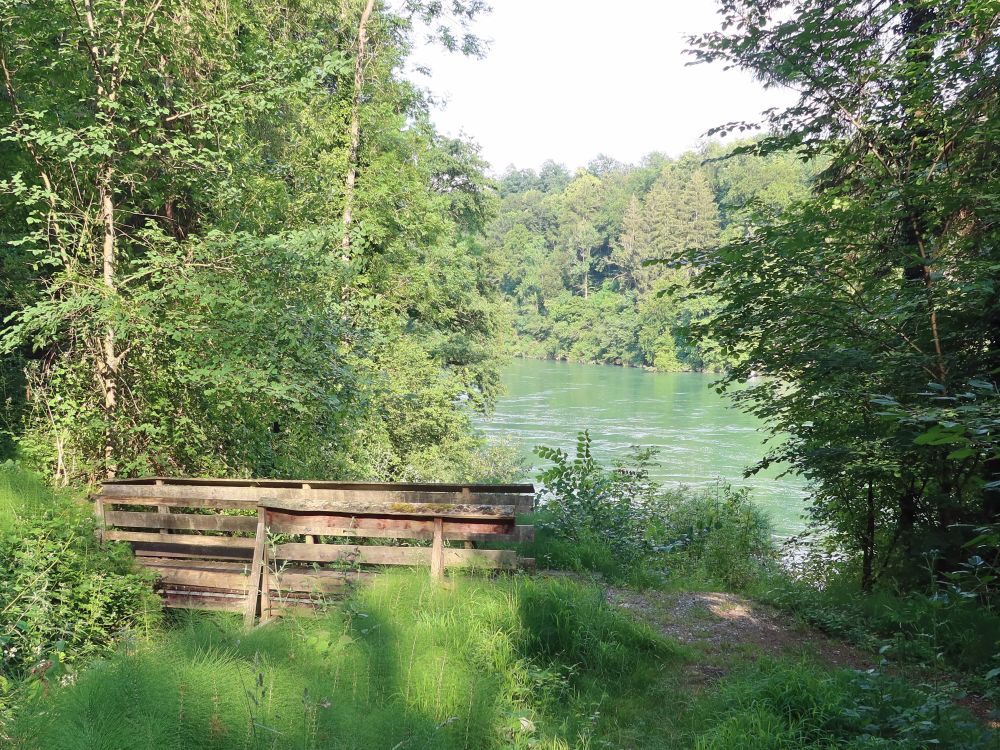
(564, 659)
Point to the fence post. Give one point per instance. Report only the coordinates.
(99, 516)
(253, 585)
(437, 550)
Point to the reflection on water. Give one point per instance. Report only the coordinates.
(699, 436)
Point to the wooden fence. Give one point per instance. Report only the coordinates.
(267, 546)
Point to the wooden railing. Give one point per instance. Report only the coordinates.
(268, 546)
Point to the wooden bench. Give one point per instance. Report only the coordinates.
(269, 546)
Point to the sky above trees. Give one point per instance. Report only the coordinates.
(569, 79)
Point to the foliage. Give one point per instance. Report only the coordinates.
(177, 298)
(63, 597)
(582, 499)
(940, 628)
(620, 523)
(877, 290)
(576, 254)
(719, 536)
(781, 706)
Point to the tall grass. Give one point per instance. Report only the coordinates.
(23, 496)
(775, 705)
(508, 663)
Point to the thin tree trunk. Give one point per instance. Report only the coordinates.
(868, 546)
(355, 144)
(110, 359)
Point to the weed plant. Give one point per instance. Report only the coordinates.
(63, 597)
(619, 523)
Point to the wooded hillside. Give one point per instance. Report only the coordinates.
(591, 262)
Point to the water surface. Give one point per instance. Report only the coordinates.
(701, 438)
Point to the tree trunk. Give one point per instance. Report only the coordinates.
(110, 360)
(355, 143)
(868, 545)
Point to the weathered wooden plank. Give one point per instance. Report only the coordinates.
(371, 555)
(177, 539)
(339, 524)
(480, 558)
(180, 502)
(518, 489)
(353, 554)
(315, 581)
(189, 521)
(514, 534)
(359, 506)
(265, 584)
(162, 509)
(277, 495)
(214, 601)
(253, 588)
(174, 576)
(191, 552)
(99, 513)
(222, 566)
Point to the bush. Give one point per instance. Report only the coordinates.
(585, 502)
(620, 523)
(62, 596)
(721, 536)
(940, 627)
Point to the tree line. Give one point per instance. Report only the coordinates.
(590, 262)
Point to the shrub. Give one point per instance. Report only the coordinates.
(939, 627)
(620, 523)
(62, 596)
(721, 536)
(583, 501)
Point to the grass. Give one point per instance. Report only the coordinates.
(778, 705)
(942, 630)
(23, 496)
(486, 664)
(483, 663)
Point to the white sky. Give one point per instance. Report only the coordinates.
(569, 79)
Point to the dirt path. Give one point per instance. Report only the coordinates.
(720, 623)
(727, 624)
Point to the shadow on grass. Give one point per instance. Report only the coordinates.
(400, 665)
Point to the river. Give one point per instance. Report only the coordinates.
(700, 437)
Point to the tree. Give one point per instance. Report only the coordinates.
(878, 289)
(173, 186)
(579, 236)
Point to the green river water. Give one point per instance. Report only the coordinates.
(700, 437)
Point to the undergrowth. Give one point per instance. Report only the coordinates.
(506, 663)
(933, 629)
(618, 522)
(775, 705)
(63, 597)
